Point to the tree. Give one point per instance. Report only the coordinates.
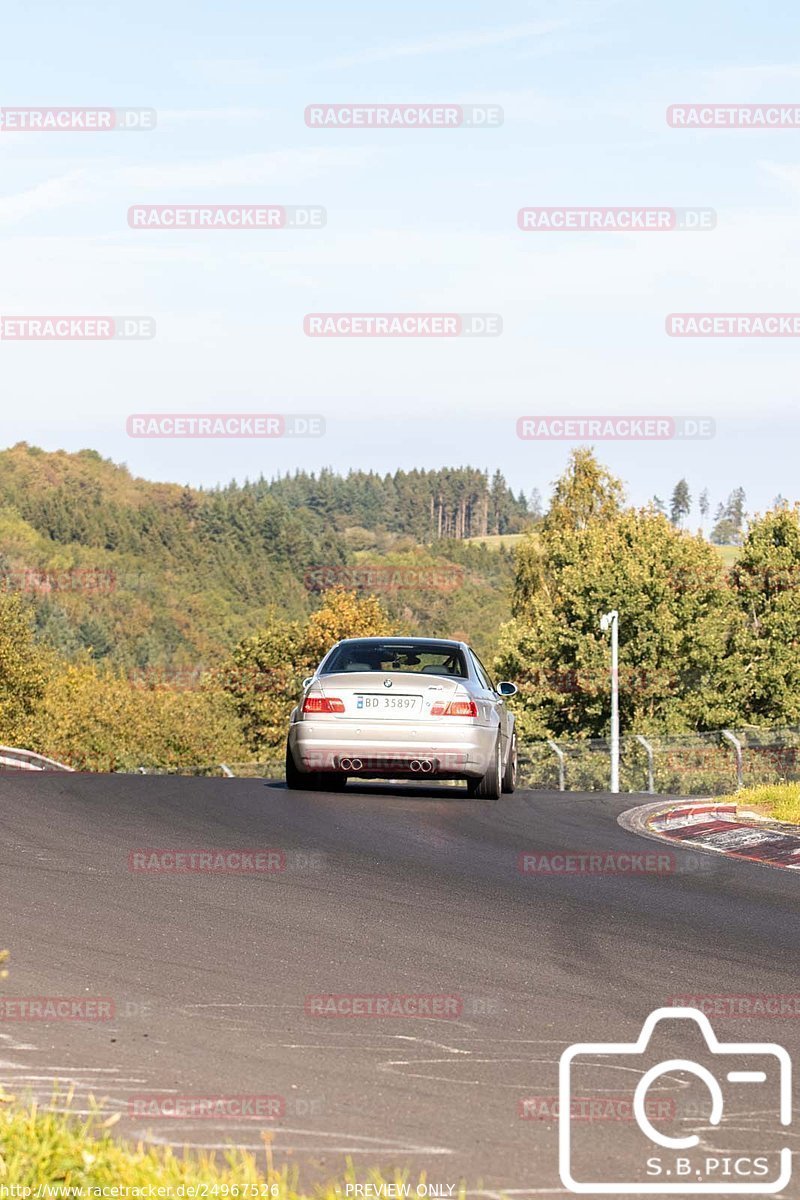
(96, 719)
(735, 507)
(24, 669)
(729, 520)
(659, 505)
(765, 642)
(585, 492)
(681, 503)
(705, 504)
(674, 615)
(265, 672)
(343, 614)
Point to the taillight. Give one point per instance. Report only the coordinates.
(456, 708)
(322, 704)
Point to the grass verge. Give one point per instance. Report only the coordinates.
(61, 1155)
(778, 800)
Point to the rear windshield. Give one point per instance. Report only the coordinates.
(411, 657)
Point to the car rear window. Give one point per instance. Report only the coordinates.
(410, 657)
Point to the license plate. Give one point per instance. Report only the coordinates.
(387, 705)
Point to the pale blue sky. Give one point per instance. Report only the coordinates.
(417, 221)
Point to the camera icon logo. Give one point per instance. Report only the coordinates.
(654, 1160)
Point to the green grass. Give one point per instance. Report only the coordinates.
(778, 800)
(40, 1147)
(728, 554)
(495, 540)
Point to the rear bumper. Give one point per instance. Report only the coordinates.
(392, 748)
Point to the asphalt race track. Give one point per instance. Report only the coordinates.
(386, 891)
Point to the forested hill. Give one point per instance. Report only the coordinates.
(425, 505)
(187, 572)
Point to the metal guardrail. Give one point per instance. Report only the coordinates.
(270, 769)
(14, 759)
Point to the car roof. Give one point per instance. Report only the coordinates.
(403, 641)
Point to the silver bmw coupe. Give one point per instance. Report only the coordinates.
(403, 707)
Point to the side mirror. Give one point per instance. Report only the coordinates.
(310, 679)
(506, 689)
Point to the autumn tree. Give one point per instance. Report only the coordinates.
(96, 719)
(265, 672)
(585, 492)
(23, 668)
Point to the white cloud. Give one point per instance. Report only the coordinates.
(278, 168)
(202, 116)
(72, 188)
(784, 172)
(247, 170)
(753, 75)
(446, 43)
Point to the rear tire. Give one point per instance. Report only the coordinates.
(311, 781)
(510, 773)
(295, 780)
(490, 786)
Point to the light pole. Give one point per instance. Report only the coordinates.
(612, 619)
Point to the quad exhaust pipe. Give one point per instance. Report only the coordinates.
(422, 766)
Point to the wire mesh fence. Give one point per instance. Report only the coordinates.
(684, 764)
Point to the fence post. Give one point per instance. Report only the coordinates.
(737, 747)
(561, 773)
(649, 749)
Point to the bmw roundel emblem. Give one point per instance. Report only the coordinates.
(387, 683)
